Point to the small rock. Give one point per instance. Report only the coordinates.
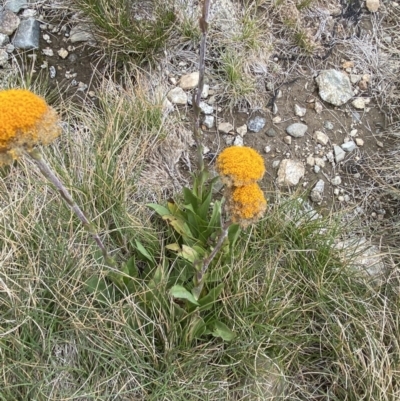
(27, 35)
(334, 87)
(321, 138)
(238, 141)
(15, 5)
(299, 111)
(256, 124)
(81, 33)
(9, 48)
(277, 120)
(229, 139)
(360, 103)
(274, 108)
(267, 149)
(4, 39)
(205, 108)
(287, 140)
(297, 130)
(354, 78)
(340, 198)
(271, 132)
(310, 161)
(319, 162)
(189, 81)
(363, 85)
(82, 87)
(9, 22)
(208, 121)
(242, 130)
(348, 146)
(328, 125)
(339, 153)
(359, 142)
(28, 13)
(206, 150)
(3, 58)
(177, 96)
(225, 128)
(346, 198)
(276, 163)
(317, 192)
(52, 72)
(63, 53)
(318, 107)
(336, 191)
(353, 133)
(317, 169)
(336, 181)
(347, 64)
(379, 143)
(206, 90)
(372, 5)
(290, 172)
(48, 52)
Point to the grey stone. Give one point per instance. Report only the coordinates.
(317, 192)
(321, 138)
(27, 36)
(297, 130)
(360, 102)
(3, 58)
(290, 172)
(238, 141)
(317, 169)
(348, 146)
(271, 132)
(9, 22)
(339, 153)
(189, 81)
(336, 181)
(276, 163)
(299, 111)
(52, 72)
(4, 39)
(177, 96)
(229, 139)
(225, 128)
(334, 87)
(242, 130)
(206, 108)
(256, 124)
(15, 5)
(328, 125)
(208, 121)
(267, 149)
(81, 33)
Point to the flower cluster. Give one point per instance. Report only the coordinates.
(240, 168)
(25, 121)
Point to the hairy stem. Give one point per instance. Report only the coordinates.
(45, 169)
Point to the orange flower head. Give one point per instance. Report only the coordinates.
(246, 204)
(240, 165)
(25, 121)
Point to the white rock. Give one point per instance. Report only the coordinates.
(63, 53)
(290, 172)
(267, 149)
(288, 140)
(372, 5)
(336, 181)
(81, 33)
(360, 102)
(48, 52)
(206, 89)
(339, 153)
(208, 121)
(277, 120)
(205, 108)
(189, 81)
(353, 133)
(225, 128)
(310, 161)
(242, 130)
(299, 111)
(317, 169)
(229, 139)
(321, 138)
(297, 130)
(3, 58)
(318, 107)
(276, 163)
(319, 162)
(238, 141)
(348, 146)
(317, 192)
(177, 96)
(359, 142)
(354, 78)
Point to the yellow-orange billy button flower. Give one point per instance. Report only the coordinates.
(240, 165)
(25, 121)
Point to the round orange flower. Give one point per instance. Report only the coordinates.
(240, 165)
(25, 121)
(246, 204)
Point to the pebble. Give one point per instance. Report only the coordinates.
(318, 107)
(336, 191)
(256, 124)
(206, 108)
(336, 181)
(328, 125)
(310, 160)
(242, 130)
(334, 87)
(9, 22)
(4, 39)
(340, 198)
(225, 128)
(229, 139)
(379, 143)
(372, 5)
(339, 153)
(27, 35)
(81, 33)
(317, 193)
(290, 172)
(177, 96)
(189, 81)
(359, 142)
(287, 140)
(271, 132)
(297, 130)
(63, 53)
(52, 72)
(348, 146)
(299, 111)
(321, 138)
(276, 163)
(319, 162)
(360, 103)
(238, 141)
(277, 120)
(3, 58)
(208, 121)
(267, 149)
(48, 52)
(317, 169)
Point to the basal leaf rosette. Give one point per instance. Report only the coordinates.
(246, 204)
(240, 165)
(26, 120)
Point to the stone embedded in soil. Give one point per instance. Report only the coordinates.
(208, 121)
(27, 36)
(189, 81)
(310, 160)
(267, 149)
(238, 141)
(372, 5)
(354, 78)
(9, 22)
(317, 193)
(225, 128)
(299, 111)
(318, 107)
(277, 120)
(290, 172)
(321, 138)
(242, 130)
(52, 72)
(328, 125)
(15, 5)
(336, 181)
(3, 58)
(319, 162)
(205, 92)
(339, 153)
(63, 53)
(348, 146)
(287, 140)
(81, 33)
(229, 139)
(48, 52)
(256, 124)
(206, 108)
(271, 132)
(297, 130)
(359, 142)
(360, 102)
(177, 96)
(334, 87)
(4, 39)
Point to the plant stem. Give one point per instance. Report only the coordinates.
(203, 22)
(45, 169)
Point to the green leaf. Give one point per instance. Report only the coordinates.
(179, 226)
(223, 331)
(179, 292)
(205, 206)
(142, 250)
(190, 198)
(233, 234)
(161, 210)
(208, 300)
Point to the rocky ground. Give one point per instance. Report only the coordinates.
(321, 117)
